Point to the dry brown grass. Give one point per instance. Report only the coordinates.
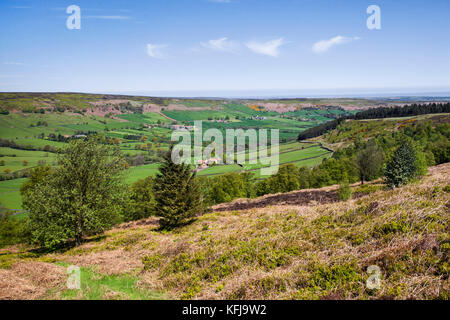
(309, 250)
(30, 280)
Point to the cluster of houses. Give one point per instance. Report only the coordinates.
(203, 164)
(258, 118)
(182, 127)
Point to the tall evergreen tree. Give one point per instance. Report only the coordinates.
(177, 194)
(402, 167)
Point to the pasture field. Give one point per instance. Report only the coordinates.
(10, 195)
(16, 160)
(141, 172)
(147, 118)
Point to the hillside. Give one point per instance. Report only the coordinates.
(301, 245)
(351, 130)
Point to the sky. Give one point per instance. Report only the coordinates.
(226, 47)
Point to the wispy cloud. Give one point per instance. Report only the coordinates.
(108, 17)
(222, 44)
(269, 48)
(155, 50)
(325, 45)
(220, 1)
(13, 63)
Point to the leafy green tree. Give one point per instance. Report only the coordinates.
(37, 176)
(230, 186)
(369, 161)
(177, 194)
(402, 167)
(142, 201)
(82, 196)
(320, 178)
(285, 180)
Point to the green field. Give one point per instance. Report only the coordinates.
(14, 158)
(141, 172)
(9, 194)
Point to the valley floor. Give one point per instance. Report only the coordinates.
(300, 245)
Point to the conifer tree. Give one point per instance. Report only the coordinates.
(402, 167)
(177, 194)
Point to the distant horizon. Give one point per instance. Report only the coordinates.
(271, 94)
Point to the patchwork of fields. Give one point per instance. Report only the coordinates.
(47, 122)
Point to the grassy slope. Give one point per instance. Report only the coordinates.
(282, 251)
(348, 132)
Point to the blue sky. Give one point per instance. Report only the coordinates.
(220, 47)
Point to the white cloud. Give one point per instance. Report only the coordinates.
(108, 17)
(222, 44)
(269, 48)
(155, 50)
(325, 45)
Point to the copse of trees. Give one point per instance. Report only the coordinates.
(402, 111)
(82, 196)
(227, 187)
(377, 113)
(320, 129)
(287, 179)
